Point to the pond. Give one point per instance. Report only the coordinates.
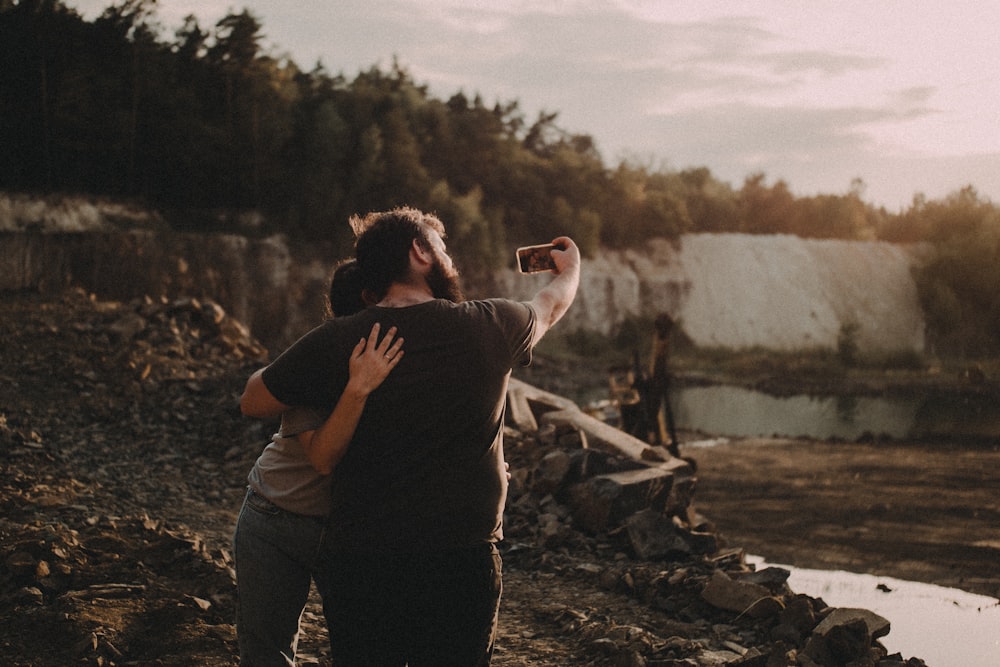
(942, 626)
(726, 410)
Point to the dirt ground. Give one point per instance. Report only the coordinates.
(918, 511)
(123, 466)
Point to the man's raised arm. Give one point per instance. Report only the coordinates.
(552, 301)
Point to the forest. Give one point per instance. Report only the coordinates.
(203, 124)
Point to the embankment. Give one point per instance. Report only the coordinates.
(727, 290)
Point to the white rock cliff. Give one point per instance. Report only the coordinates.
(742, 291)
(726, 290)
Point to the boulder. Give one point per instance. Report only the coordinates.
(743, 597)
(653, 536)
(602, 502)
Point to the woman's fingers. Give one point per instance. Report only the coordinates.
(388, 350)
(359, 348)
(386, 346)
(395, 349)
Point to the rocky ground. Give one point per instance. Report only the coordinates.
(123, 467)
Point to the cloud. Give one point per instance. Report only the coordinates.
(822, 62)
(801, 91)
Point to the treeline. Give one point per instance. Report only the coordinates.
(205, 122)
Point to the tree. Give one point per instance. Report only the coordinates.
(960, 285)
(766, 210)
(711, 204)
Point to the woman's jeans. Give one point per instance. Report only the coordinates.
(276, 552)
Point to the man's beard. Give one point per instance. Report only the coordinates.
(444, 284)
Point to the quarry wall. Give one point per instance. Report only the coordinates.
(725, 290)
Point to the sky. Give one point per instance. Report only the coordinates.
(901, 94)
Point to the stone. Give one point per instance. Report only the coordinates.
(753, 657)
(724, 592)
(876, 625)
(681, 492)
(551, 472)
(844, 636)
(30, 595)
(21, 563)
(849, 641)
(786, 632)
(799, 614)
(604, 501)
(700, 542)
(127, 327)
(717, 658)
(549, 529)
(593, 462)
(653, 536)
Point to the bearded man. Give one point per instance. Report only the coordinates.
(411, 572)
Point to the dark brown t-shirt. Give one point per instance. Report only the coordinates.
(425, 469)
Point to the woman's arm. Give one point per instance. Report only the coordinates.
(369, 366)
(257, 400)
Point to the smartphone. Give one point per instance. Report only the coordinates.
(535, 258)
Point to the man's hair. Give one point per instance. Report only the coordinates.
(383, 241)
(346, 294)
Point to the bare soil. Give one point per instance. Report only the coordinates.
(123, 466)
(921, 511)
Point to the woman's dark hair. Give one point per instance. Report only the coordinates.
(346, 295)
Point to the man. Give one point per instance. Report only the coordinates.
(664, 430)
(412, 573)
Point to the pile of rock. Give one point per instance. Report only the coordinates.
(123, 462)
(579, 483)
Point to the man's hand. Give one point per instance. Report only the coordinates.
(566, 255)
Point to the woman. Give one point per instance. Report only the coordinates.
(281, 523)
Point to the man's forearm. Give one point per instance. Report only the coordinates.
(552, 301)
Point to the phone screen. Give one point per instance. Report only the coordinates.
(535, 258)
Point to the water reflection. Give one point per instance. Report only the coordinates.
(942, 626)
(736, 412)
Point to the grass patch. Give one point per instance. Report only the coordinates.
(599, 352)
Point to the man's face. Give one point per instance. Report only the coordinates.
(441, 251)
(443, 276)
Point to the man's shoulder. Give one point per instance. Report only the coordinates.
(495, 305)
(498, 309)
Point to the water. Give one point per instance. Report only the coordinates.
(945, 627)
(736, 412)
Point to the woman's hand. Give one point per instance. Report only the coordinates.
(373, 359)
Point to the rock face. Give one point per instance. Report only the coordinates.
(745, 291)
(262, 282)
(726, 290)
